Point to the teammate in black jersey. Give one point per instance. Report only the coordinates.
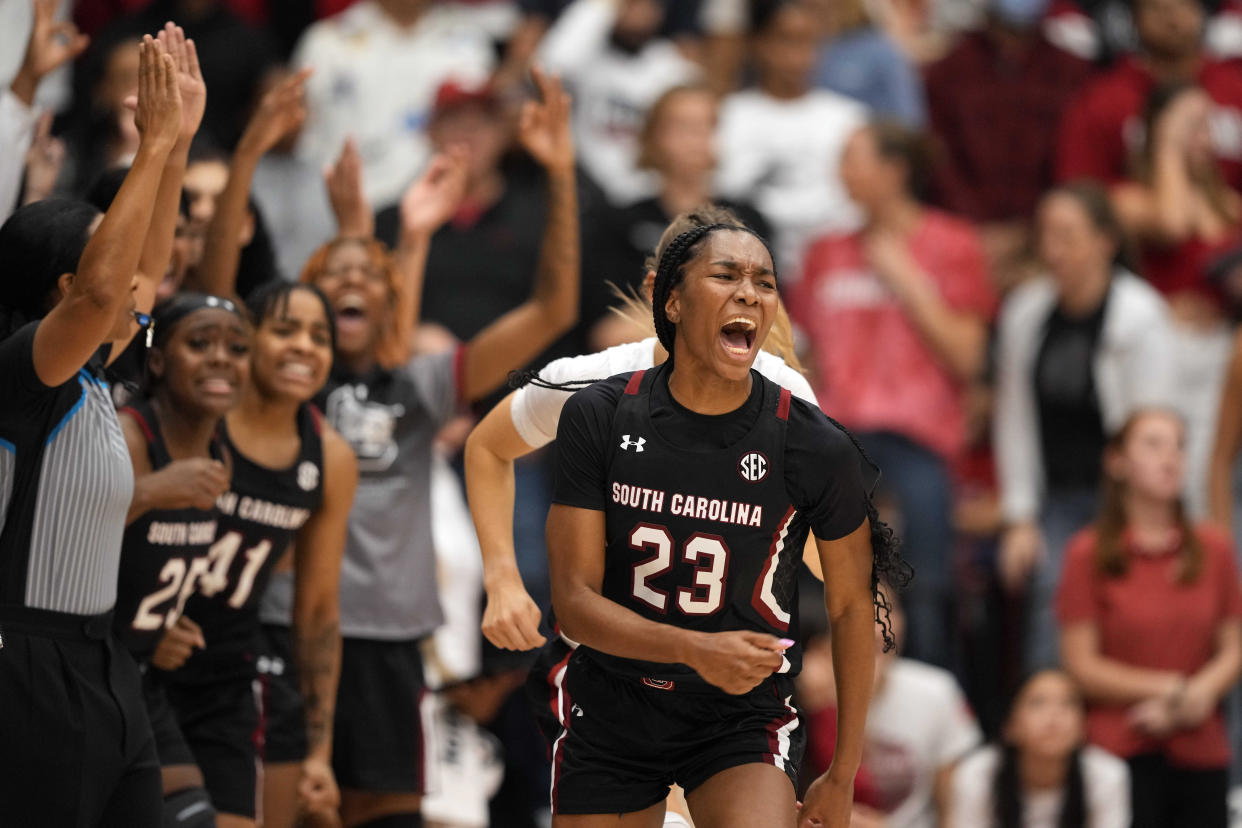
(293, 480)
(197, 366)
(683, 496)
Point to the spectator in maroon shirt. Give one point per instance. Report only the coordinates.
(1103, 128)
(990, 102)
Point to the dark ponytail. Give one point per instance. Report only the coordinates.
(1008, 787)
(39, 243)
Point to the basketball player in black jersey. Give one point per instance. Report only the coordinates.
(198, 363)
(293, 480)
(684, 494)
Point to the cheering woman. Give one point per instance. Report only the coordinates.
(683, 496)
(198, 364)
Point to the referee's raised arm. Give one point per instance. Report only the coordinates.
(101, 286)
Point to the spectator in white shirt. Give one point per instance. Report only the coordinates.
(51, 44)
(377, 66)
(781, 142)
(611, 57)
(918, 728)
(1042, 775)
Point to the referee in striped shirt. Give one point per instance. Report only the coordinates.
(75, 744)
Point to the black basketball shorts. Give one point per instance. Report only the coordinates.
(624, 740)
(220, 722)
(280, 699)
(543, 683)
(378, 737)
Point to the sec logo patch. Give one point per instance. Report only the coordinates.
(753, 466)
(308, 475)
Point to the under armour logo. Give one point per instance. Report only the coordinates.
(576, 710)
(638, 444)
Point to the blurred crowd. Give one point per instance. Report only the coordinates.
(1009, 235)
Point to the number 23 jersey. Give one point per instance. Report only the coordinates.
(705, 516)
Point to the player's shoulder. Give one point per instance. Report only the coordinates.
(619, 359)
(810, 426)
(780, 372)
(601, 396)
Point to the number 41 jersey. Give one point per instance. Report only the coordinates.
(707, 540)
(260, 515)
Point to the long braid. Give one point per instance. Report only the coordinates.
(887, 565)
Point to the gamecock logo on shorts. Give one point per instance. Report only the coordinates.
(753, 466)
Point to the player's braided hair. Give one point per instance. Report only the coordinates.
(887, 564)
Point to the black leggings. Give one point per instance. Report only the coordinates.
(1164, 796)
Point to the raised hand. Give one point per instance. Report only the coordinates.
(354, 218)
(433, 198)
(543, 128)
(157, 114)
(281, 111)
(43, 161)
(51, 44)
(189, 79)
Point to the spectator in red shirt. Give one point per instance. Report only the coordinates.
(1151, 626)
(1185, 216)
(990, 101)
(1103, 126)
(1178, 207)
(897, 314)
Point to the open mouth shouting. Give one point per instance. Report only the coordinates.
(351, 315)
(737, 337)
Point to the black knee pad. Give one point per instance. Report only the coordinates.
(189, 808)
(395, 821)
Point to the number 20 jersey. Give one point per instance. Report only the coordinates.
(706, 540)
(163, 554)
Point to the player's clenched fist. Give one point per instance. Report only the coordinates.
(736, 661)
(511, 620)
(190, 484)
(177, 645)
